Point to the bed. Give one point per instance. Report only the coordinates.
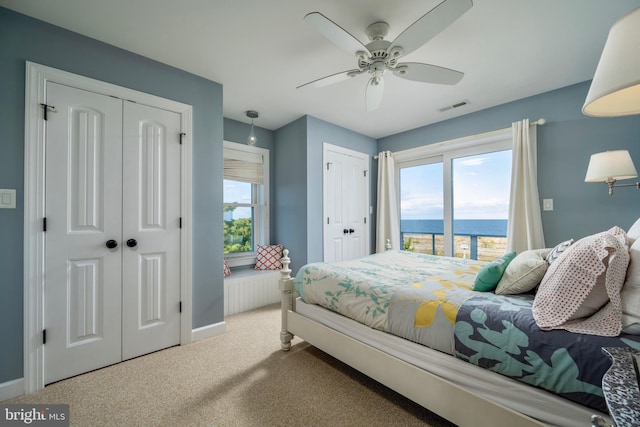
(414, 323)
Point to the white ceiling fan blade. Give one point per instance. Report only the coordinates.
(373, 95)
(427, 73)
(335, 33)
(329, 80)
(427, 27)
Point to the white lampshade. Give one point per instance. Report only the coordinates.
(615, 89)
(610, 165)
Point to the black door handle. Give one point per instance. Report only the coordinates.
(111, 244)
(132, 243)
(351, 230)
(345, 231)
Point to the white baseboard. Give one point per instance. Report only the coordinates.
(11, 389)
(208, 331)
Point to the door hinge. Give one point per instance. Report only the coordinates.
(365, 219)
(45, 110)
(365, 174)
(328, 165)
(180, 223)
(327, 220)
(180, 307)
(44, 224)
(44, 336)
(182, 135)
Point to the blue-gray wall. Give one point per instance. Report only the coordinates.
(25, 39)
(564, 146)
(289, 225)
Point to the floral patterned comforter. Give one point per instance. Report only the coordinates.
(428, 299)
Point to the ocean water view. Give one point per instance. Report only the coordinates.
(468, 227)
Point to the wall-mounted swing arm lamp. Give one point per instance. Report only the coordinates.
(609, 167)
(252, 139)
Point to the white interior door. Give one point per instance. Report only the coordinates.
(109, 182)
(346, 204)
(150, 230)
(83, 201)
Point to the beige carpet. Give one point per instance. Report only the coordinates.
(240, 378)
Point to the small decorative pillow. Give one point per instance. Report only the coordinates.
(488, 277)
(524, 273)
(581, 290)
(269, 257)
(558, 250)
(227, 270)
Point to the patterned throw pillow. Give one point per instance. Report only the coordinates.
(559, 249)
(227, 270)
(269, 257)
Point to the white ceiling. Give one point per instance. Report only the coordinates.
(261, 50)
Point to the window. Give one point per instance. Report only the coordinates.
(454, 196)
(246, 202)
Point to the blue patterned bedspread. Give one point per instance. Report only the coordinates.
(428, 299)
(499, 333)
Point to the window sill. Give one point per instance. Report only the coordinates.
(240, 260)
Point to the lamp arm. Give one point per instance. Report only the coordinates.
(612, 183)
(636, 184)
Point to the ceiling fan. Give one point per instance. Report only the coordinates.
(380, 55)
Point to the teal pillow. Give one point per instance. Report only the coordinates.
(489, 276)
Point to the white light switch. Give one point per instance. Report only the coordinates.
(547, 204)
(7, 199)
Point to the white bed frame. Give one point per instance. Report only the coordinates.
(425, 388)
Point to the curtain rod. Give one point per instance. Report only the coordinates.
(541, 121)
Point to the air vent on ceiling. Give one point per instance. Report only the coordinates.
(453, 106)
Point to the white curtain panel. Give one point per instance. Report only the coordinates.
(388, 219)
(525, 222)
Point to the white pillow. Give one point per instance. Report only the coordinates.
(524, 272)
(630, 294)
(634, 232)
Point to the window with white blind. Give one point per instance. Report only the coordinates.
(246, 202)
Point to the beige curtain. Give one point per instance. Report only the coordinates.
(388, 219)
(525, 222)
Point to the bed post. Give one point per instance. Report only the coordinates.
(286, 288)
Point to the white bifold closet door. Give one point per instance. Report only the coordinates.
(346, 200)
(112, 240)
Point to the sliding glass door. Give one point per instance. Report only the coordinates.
(480, 192)
(422, 208)
(454, 199)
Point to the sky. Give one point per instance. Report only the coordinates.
(238, 192)
(481, 186)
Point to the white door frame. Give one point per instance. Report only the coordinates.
(363, 156)
(34, 191)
